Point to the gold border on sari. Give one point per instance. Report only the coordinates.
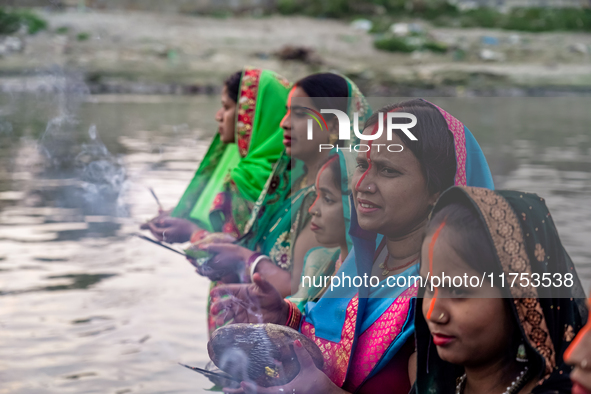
(507, 236)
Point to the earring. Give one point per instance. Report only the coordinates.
(521, 353)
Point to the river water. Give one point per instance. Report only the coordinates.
(85, 307)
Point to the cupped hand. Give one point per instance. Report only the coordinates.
(257, 302)
(227, 258)
(172, 230)
(310, 380)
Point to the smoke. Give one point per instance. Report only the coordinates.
(102, 176)
(97, 177)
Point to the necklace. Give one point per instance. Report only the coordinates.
(510, 389)
(387, 270)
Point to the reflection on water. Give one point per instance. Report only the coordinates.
(86, 307)
(76, 281)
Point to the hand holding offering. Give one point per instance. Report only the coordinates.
(257, 302)
(261, 353)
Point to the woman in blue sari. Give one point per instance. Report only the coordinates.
(364, 330)
(331, 218)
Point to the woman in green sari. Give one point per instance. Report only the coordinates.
(240, 159)
(278, 229)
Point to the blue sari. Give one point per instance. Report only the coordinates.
(361, 329)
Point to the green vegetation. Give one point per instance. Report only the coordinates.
(394, 44)
(11, 21)
(546, 19)
(435, 46)
(62, 30)
(529, 19)
(84, 36)
(409, 44)
(385, 12)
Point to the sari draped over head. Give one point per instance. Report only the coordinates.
(281, 211)
(525, 240)
(321, 262)
(360, 329)
(231, 176)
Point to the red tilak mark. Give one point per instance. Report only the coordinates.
(375, 130)
(318, 181)
(431, 248)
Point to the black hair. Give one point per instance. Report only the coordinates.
(470, 240)
(232, 83)
(434, 147)
(468, 236)
(322, 86)
(335, 166)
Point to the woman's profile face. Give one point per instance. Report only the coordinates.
(328, 222)
(295, 127)
(470, 326)
(392, 197)
(226, 117)
(579, 356)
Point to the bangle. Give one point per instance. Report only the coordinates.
(294, 317)
(246, 275)
(253, 266)
(198, 236)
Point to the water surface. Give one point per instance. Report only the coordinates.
(87, 308)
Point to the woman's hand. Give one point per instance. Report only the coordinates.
(161, 215)
(214, 238)
(227, 276)
(310, 380)
(172, 230)
(256, 302)
(228, 259)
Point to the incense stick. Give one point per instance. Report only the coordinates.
(160, 244)
(156, 198)
(206, 372)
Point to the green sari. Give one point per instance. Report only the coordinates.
(231, 176)
(282, 210)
